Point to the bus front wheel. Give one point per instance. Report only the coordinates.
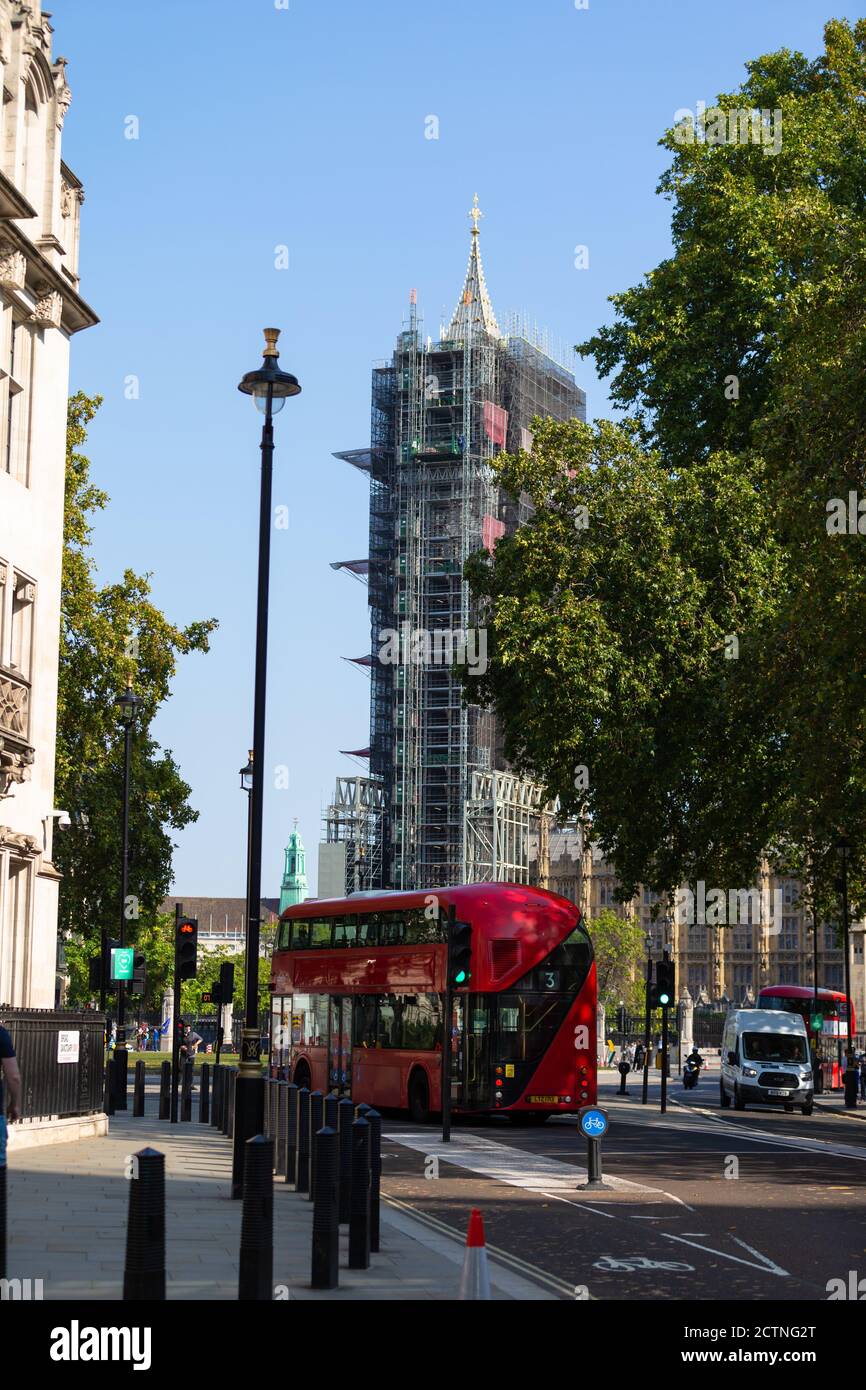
(419, 1098)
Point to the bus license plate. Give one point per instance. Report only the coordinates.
(774, 1091)
(543, 1100)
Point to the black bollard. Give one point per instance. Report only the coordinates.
(215, 1097)
(302, 1169)
(317, 1119)
(331, 1103)
(267, 1131)
(204, 1094)
(165, 1090)
(345, 1114)
(361, 1110)
(326, 1228)
(280, 1128)
(256, 1268)
(144, 1271)
(138, 1090)
(186, 1091)
(359, 1215)
(230, 1117)
(291, 1122)
(374, 1120)
(109, 1087)
(624, 1070)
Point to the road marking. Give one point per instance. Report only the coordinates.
(519, 1266)
(767, 1265)
(515, 1167)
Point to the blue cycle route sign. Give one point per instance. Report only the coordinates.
(593, 1122)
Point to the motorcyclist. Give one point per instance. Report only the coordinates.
(692, 1067)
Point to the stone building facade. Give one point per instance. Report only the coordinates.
(40, 310)
(734, 960)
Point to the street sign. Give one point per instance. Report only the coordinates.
(67, 1046)
(593, 1122)
(122, 960)
(817, 1023)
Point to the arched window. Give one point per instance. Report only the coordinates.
(33, 153)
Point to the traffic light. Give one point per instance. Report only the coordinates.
(226, 984)
(459, 954)
(186, 947)
(665, 987)
(138, 983)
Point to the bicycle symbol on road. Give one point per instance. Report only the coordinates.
(628, 1264)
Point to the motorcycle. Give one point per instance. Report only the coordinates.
(691, 1072)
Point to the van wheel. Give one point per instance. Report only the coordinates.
(807, 1109)
(739, 1103)
(724, 1098)
(419, 1098)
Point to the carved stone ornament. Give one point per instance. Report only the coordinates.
(17, 840)
(48, 312)
(13, 266)
(14, 767)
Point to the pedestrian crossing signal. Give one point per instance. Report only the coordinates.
(186, 945)
(665, 983)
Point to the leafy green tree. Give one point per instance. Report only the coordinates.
(111, 634)
(698, 645)
(618, 945)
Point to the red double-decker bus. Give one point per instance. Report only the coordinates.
(832, 1009)
(358, 997)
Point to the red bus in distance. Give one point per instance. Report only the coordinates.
(832, 1040)
(358, 993)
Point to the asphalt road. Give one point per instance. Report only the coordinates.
(706, 1204)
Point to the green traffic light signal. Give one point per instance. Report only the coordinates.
(664, 1000)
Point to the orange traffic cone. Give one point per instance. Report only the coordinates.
(475, 1279)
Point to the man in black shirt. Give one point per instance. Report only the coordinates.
(11, 1075)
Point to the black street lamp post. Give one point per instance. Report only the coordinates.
(851, 1077)
(128, 706)
(246, 776)
(270, 388)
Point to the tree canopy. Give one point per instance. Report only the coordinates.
(693, 638)
(111, 634)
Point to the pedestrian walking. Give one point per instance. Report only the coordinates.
(155, 1040)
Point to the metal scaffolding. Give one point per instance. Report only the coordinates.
(507, 830)
(354, 825)
(440, 414)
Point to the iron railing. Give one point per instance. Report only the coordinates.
(51, 1086)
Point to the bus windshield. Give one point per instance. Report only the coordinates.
(774, 1047)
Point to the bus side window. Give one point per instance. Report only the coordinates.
(364, 1021)
(300, 935)
(345, 931)
(392, 929)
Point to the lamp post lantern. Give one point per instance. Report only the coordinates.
(270, 388)
(128, 705)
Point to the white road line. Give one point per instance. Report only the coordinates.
(767, 1265)
(516, 1167)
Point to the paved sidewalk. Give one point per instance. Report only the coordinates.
(68, 1210)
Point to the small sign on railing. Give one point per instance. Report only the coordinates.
(67, 1046)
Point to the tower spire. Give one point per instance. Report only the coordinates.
(474, 309)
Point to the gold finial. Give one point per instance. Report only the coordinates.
(271, 336)
(475, 213)
(251, 751)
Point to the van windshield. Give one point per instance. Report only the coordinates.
(774, 1047)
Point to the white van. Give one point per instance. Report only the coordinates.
(765, 1059)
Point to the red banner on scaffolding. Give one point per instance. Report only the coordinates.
(491, 530)
(495, 422)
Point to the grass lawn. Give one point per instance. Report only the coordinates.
(154, 1060)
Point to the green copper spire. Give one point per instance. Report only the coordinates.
(294, 886)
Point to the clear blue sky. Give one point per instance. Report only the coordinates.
(305, 127)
